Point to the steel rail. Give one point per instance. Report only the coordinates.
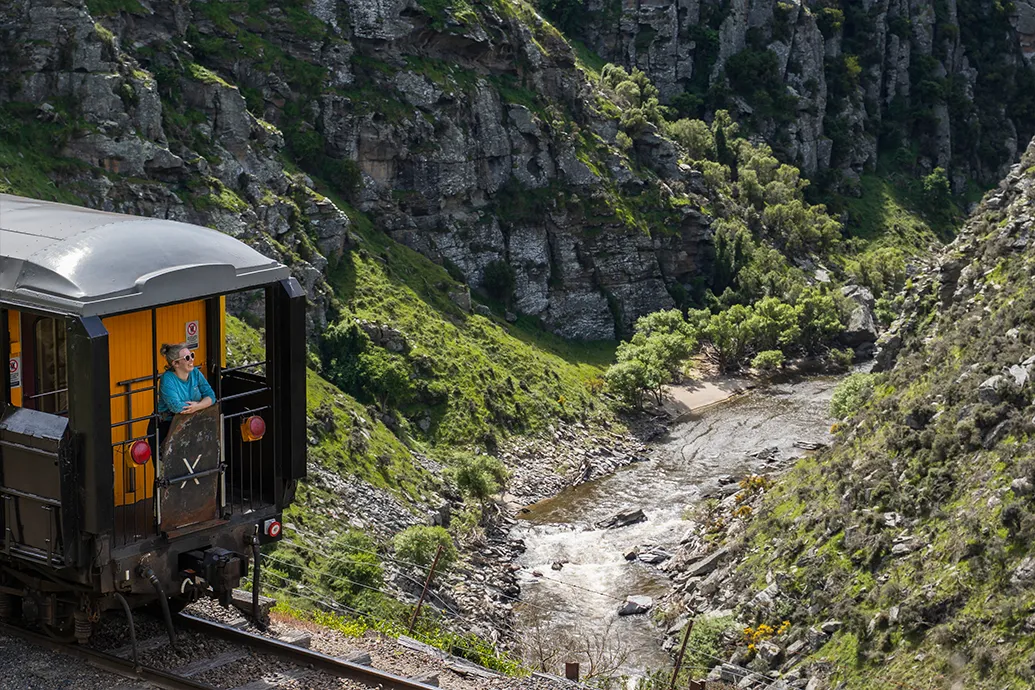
(108, 662)
(323, 662)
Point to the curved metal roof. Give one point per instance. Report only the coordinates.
(80, 261)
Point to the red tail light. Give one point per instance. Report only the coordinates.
(140, 452)
(253, 428)
(272, 528)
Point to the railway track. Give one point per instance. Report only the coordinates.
(298, 667)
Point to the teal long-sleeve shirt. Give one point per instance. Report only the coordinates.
(174, 393)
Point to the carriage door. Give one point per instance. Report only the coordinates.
(134, 340)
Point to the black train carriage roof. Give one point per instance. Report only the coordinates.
(73, 260)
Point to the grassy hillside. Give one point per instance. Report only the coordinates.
(915, 531)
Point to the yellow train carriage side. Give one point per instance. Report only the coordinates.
(133, 371)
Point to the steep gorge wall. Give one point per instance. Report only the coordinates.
(832, 84)
(467, 133)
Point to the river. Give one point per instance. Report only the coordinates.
(571, 614)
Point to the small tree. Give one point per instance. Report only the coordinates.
(417, 546)
(937, 193)
(479, 476)
(627, 380)
(819, 318)
(775, 324)
(730, 333)
(499, 280)
(386, 377)
(696, 138)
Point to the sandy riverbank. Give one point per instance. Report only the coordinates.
(684, 399)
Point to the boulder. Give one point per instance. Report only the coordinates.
(707, 564)
(831, 627)
(654, 557)
(862, 325)
(770, 653)
(623, 519)
(461, 298)
(816, 638)
(636, 604)
(991, 389)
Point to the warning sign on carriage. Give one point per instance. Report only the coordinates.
(15, 368)
(192, 334)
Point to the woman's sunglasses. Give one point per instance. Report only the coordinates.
(187, 358)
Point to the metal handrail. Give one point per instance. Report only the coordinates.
(244, 366)
(235, 396)
(133, 392)
(43, 395)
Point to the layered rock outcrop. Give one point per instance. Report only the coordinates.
(844, 80)
(470, 136)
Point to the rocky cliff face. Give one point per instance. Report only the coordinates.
(466, 132)
(832, 84)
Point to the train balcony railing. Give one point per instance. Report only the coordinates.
(248, 415)
(135, 454)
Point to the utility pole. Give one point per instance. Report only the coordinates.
(682, 651)
(424, 593)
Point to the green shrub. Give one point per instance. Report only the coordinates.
(695, 136)
(841, 358)
(387, 377)
(937, 194)
(417, 546)
(768, 360)
(352, 567)
(479, 476)
(627, 381)
(499, 280)
(850, 395)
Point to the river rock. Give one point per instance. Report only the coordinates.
(636, 604)
(623, 519)
(654, 557)
(632, 554)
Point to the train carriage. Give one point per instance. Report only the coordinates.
(96, 509)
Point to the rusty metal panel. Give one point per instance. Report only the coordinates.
(190, 471)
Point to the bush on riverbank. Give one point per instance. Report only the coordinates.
(850, 395)
(764, 333)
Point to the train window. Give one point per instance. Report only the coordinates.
(50, 366)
